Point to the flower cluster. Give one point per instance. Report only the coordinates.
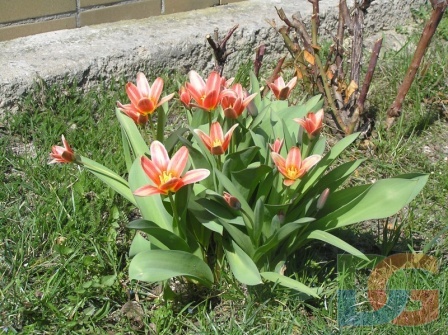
(243, 189)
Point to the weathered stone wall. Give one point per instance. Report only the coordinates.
(97, 53)
(20, 18)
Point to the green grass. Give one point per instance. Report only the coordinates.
(64, 241)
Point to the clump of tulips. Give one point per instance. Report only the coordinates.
(234, 189)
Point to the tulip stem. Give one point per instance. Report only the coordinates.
(176, 227)
(151, 124)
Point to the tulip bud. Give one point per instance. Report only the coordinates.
(322, 199)
(232, 201)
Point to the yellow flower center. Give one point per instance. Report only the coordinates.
(216, 143)
(165, 177)
(292, 172)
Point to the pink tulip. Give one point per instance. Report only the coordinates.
(144, 98)
(217, 142)
(133, 113)
(312, 123)
(232, 201)
(166, 173)
(280, 90)
(234, 101)
(276, 146)
(294, 168)
(185, 97)
(205, 94)
(63, 154)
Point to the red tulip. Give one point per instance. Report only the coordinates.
(205, 94)
(312, 123)
(63, 154)
(294, 167)
(133, 113)
(234, 101)
(276, 146)
(232, 201)
(217, 142)
(185, 97)
(166, 173)
(280, 90)
(144, 98)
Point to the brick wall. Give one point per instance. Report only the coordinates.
(27, 17)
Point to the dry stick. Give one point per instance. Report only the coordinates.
(366, 85)
(315, 22)
(307, 42)
(219, 48)
(274, 75)
(429, 30)
(259, 59)
(356, 56)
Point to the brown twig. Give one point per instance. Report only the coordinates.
(259, 59)
(315, 22)
(274, 75)
(365, 86)
(220, 51)
(429, 30)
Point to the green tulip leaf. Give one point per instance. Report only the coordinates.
(290, 283)
(168, 239)
(136, 142)
(113, 180)
(242, 266)
(158, 265)
(337, 242)
(377, 201)
(139, 244)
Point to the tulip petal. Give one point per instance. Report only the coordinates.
(294, 158)
(204, 138)
(288, 182)
(156, 89)
(310, 161)
(159, 155)
(228, 136)
(194, 176)
(197, 82)
(147, 190)
(165, 99)
(143, 85)
(213, 82)
(211, 100)
(216, 133)
(195, 93)
(279, 161)
(133, 93)
(151, 170)
(177, 163)
(171, 185)
(146, 106)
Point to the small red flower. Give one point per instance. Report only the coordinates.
(293, 167)
(63, 154)
(166, 173)
(234, 101)
(217, 142)
(280, 89)
(133, 113)
(185, 97)
(205, 94)
(276, 146)
(232, 201)
(312, 123)
(144, 98)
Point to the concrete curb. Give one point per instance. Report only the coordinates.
(97, 53)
